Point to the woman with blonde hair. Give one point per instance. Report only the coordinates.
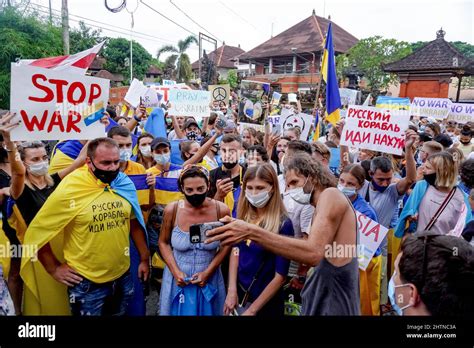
(436, 203)
(256, 276)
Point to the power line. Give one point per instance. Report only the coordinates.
(200, 26)
(238, 15)
(162, 15)
(110, 25)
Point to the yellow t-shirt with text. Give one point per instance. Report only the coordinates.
(96, 241)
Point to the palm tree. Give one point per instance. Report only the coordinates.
(183, 64)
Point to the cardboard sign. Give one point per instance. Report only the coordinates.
(371, 234)
(461, 113)
(375, 129)
(431, 107)
(189, 103)
(220, 93)
(253, 96)
(302, 121)
(393, 103)
(57, 105)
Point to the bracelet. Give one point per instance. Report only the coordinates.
(136, 118)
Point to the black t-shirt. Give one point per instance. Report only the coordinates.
(218, 174)
(31, 201)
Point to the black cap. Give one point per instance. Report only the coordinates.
(444, 140)
(189, 122)
(159, 141)
(425, 137)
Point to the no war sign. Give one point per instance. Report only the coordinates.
(56, 105)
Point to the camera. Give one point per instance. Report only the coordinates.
(197, 232)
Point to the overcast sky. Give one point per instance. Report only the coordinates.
(249, 23)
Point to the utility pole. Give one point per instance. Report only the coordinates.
(50, 14)
(65, 25)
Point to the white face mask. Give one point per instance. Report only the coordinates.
(348, 191)
(146, 150)
(259, 200)
(298, 194)
(38, 169)
(162, 159)
(125, 155)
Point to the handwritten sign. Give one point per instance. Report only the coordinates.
(56, 105)
(169, 82)
(189, 103)
(220, 93)
(163, 90)
(375, 129)
(431, 107)
(461, 113)
(289, 119)
(371, 235)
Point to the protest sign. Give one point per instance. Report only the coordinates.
(220, 93)
(135, 92)
(163, 90)
(461, 113)
(393, 103)
(168, 82)
(189, 103)
(274, 120)
(254, 96)
(276, 98)
(431, 107)
(375, 129)
(303, 121)
(348, 97)
(150, 99)
(56, 105)
(371, 234)
(292, 98)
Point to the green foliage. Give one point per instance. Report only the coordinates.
(179, 59)
(117, 54)
(232, 78)
(369, 55)
(83, 38)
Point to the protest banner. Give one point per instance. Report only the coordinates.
(163, 90)
(168, 82)
(292, 98)
(393, 103)
(189, 103)
(56, 105)
(431, 107)
(461, 113)
(288, 119)
(135, 92)
(371, 235)
(375, 129)
(220, 93)
(348, 97)
(276, 98)
(254, 96)
(274, 120)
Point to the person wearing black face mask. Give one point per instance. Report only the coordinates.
(437, 204)
(192, 266)
(226, 180)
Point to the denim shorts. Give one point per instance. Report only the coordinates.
(92, 299)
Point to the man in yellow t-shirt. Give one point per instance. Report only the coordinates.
(96, 239)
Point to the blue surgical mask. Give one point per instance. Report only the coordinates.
(379, 188)
(391, 296)
(125, 155)
(348, 191)
(162, 159)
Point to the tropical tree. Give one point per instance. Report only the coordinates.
(179, 57)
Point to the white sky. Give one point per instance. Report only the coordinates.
(414, 20)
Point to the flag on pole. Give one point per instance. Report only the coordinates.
(75, 63)
(316, 126)
(328, 71)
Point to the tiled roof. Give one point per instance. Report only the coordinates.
(223, 56)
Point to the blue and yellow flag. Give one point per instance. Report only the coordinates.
(328, 71)
(316, 127)
(64, 154)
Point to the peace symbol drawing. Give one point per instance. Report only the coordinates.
(219, 94)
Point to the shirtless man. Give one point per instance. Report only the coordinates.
(333, 287)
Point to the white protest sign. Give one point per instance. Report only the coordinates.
(461, 113)
(274, 120)
(168, 82)
(189, 103)
(375, 129)
(163, 90)
(150, 99)
(292, 98)
(430, 107)
(135, 92)
(302, 121)
(57, 105)
(371, 234)
(348, 96)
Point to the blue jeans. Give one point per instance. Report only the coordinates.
(111, 298)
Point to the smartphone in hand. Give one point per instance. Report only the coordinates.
(197, 232)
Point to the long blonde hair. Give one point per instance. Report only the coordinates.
(274, 212)
(22, 152)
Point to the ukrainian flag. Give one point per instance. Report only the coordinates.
(316, 127)
(328, 71)
(166, 189)
(64, 154)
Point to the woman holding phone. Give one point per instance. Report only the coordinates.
(256, 276)
(192, 269)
